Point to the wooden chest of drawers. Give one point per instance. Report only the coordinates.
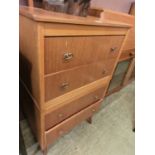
(66, 64)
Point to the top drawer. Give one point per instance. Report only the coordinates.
(62, 53)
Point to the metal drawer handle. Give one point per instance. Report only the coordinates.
(96, 98)
(68, 56)
(60, 115)
(131, 53)
(93, 110)
(113, 49)
(61, 132)
(64, 85)
(103, 72)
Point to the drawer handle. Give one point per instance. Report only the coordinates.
(96, 98)
(64, 85)
(60, 115)
(103, 72)
(93, 110)
(61, 132)
(131, 54)
(113, 49)
(68, 56)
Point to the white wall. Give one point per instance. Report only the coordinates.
(116, 5)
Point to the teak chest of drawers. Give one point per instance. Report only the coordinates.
(66, 63)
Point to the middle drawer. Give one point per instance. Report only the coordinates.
(63, 82)
(67, 110)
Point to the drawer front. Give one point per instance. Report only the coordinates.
(127, 55)
(67, 110)
(63, 53)
(65, 126)
(63, 82)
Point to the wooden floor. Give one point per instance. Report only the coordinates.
(109, 134)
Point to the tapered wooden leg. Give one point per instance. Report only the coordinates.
(89, 120)
(44, 151)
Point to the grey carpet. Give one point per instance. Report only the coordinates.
(109, 134)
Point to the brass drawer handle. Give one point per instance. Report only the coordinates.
(131, 54)
(64, 85)
(103, 72)
(113, 49)
(93, 110)
(96, 98)
(68, 56)
(61, 132)
(60, 115)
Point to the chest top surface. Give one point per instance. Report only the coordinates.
(41, 15)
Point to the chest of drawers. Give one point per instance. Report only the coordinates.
(66, 64)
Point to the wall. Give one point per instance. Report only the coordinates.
(116, 5)
(23, 2)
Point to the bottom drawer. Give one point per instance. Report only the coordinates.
(65, 126)
(67, 110)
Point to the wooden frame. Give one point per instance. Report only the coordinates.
(132, 9)
(126, 79)
(129, 72)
